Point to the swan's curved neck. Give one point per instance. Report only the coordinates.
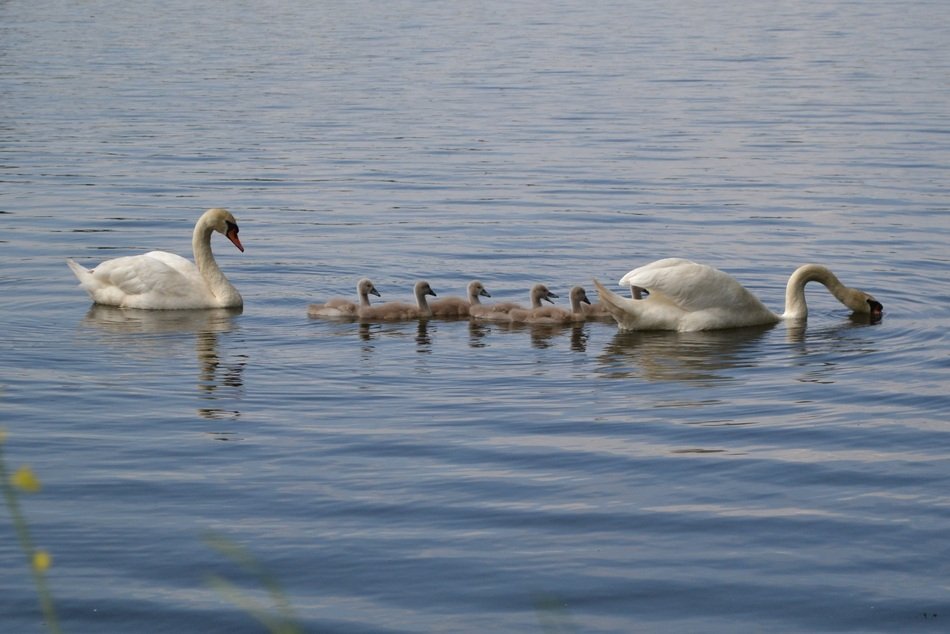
(795, 306)
(218, 284)
(473, 298)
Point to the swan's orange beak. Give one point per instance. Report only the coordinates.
(232, 235)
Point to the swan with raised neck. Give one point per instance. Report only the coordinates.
(158, 280)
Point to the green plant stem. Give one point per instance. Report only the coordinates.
(26, 543)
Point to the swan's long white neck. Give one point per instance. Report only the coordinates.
(795, 306)
(219, 285)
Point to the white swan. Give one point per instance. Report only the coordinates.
(344, 308)
(397, 311)
(457, 306)
(164, 281)
(686, 296)
(502, 311)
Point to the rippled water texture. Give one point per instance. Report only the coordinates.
(457, 477)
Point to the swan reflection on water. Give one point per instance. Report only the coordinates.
(542, 335)
(661, 355)
(369, 332)
(796, 329)
(820, 351)
(153, 334)
(711, 355)
(425, 333)
(703, 356)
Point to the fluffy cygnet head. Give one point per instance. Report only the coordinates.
(578, 297)
(540, 292)
(476, 289)
(365, 288)
(422, 289)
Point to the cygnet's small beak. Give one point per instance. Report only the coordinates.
(373, 291)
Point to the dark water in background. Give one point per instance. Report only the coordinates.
(447, 477)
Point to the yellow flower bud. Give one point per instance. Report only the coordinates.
(42, 560)
(25, 479)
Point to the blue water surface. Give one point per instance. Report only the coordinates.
(455, 477)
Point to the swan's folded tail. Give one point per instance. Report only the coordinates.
(620, 308)
(82, 274)
(78, 269)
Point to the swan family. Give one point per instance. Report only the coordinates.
(668, 294)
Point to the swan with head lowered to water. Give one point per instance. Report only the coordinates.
(687, 296)
(158, 280)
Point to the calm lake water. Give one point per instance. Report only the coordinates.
(450, 477)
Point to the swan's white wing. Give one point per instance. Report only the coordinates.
(654, 266)
(687, 285)
(157, 272)
(173, 260)
(648, 272)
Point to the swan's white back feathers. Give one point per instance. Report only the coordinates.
(152, 280)
(691, 287)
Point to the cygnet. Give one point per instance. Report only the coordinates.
(339, 307)
(457, 306)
